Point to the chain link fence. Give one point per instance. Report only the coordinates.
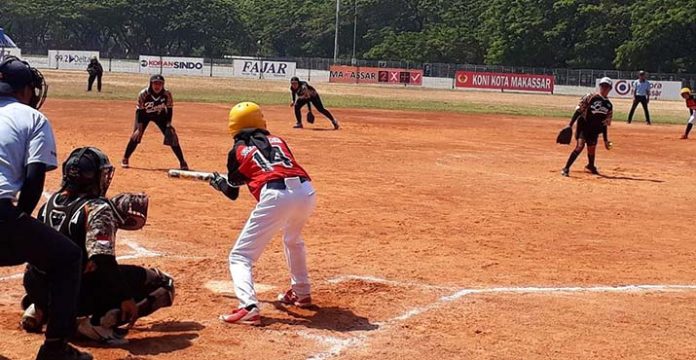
(222, 67)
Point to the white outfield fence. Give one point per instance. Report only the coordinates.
(317, 70)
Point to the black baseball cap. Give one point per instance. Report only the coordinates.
(14, 75)
(641, 72)
(156, 77)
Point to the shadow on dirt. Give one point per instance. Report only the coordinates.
(153, 343)
(629, 178)
(174, 326)
(161, 344)
(326, 318)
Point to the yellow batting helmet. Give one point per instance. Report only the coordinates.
(685, 90)
(246, 115)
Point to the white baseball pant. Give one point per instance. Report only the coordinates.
(286, 210)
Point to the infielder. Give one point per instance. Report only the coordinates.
(593, 115)
(27, 152)
(286, 199)
(691, 105)
(305, 94)
(110, 294)
(155, 103)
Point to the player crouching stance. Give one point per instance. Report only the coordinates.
(286, 199)
(593, 114)
(691, 105)
(111, 295)
(155, 103)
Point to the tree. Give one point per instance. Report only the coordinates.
(663, 33)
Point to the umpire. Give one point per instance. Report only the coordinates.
(27, 152)
(641, 95)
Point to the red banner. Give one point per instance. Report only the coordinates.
(520, 82)
(368, 75)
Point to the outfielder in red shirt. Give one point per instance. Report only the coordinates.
(691, 105)
(286, 199)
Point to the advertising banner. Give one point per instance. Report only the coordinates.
(367, 75)
(70, 59)
(264, 69)
(659, 90)
(10, 51)
(171, 65)
(504, 81)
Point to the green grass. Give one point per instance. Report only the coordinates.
(227, 94)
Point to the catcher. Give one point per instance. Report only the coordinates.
(691, 105)
(593, 115)
(155, 103)
(286, 200)
(305, 94)
(111, 295)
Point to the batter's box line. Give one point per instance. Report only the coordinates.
(338, 345)
(139, 252)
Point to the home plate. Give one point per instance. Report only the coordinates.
(224, 287)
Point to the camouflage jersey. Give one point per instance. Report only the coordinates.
(91, 223)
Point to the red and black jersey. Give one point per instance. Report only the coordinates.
(596, 110)
(155, 106)
(691, 103)
(258, 157)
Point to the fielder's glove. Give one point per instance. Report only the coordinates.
(565, 136)
(217, 181)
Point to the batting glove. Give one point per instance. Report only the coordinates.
(217, 181)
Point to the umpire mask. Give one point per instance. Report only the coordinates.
(15, 74)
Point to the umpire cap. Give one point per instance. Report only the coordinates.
(15, 74)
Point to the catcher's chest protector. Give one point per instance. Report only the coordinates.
(66, 217)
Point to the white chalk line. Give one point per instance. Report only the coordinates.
(139, 252)
(336, 345)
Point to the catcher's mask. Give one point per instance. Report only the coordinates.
(87, 171)
(15, 74)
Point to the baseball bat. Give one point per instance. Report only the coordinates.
(193, 175)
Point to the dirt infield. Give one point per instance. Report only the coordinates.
(451, 237)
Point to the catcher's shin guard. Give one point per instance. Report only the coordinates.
(161, 296)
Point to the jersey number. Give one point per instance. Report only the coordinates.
(279, 158)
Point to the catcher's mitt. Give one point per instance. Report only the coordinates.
(170, 138)
(310, 117)
(132, 208)
(565, 136)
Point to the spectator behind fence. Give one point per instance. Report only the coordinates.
(641, 95)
